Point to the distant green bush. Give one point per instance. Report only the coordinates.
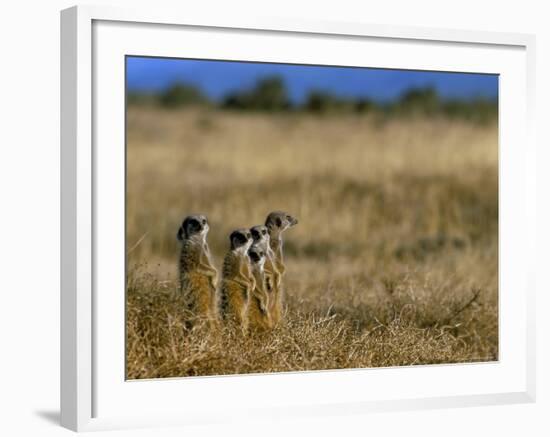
(322, 102)
(269, 94)
(424, 101)
(364, 105)
(181, 94)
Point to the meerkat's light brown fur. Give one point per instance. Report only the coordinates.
(277, 222)
(238, 282)
(198, 276)
(259, 317)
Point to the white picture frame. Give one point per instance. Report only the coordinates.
(94, 41)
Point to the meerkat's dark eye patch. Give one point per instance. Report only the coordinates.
(255, 234)
(264, 232)
(254, 256)
(278, 222)
(237, 239)
(193, 226)
(241, 238)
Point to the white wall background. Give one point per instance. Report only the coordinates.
(29, 218)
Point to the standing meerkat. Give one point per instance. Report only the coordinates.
(198, 276)
(259, 317)
(277, 222)
(237, 280)
(260, 234)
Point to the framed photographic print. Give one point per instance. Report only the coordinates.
(266, 218)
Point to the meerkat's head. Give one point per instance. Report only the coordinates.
(194, 227)
(260, 234)
(279, 221)
(240, 240)
(257, 256)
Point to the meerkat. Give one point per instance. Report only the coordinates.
(277, 222)
(198, 277)
(259, 317)
(260, 234)
(237, 282)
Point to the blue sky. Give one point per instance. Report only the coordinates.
(218, 78)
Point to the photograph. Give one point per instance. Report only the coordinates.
(295, 217)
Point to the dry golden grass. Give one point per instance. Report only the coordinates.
(394, 261)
